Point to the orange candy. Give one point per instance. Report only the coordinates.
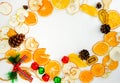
(98, 69)
(86, 76)
(46, 8)
(53, 68)
(40, 57)
(111, 39)
(28, 54)
(31, 19)
(100, 48)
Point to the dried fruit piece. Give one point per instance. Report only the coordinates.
(91, 60)
(90, 10)
(110, 38)
(100, 48)
(28, 54)
(45, 9)
(105, 28)
(115, 53)
(3, 31)
(31, 19)
(73, 7)
(114, 19)
(25, 7)
(84, 54)
(31, 44)
(76, 60)
(5, 8)
(40, 57)
(86, 76)
(11, 33)
(60, 4)
(53, 68)
(67, 79)
(10, 53)
(98, 69)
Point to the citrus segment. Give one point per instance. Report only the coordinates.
(86, 76)
(11, 32)
(113, 65)
(40, 57)
(28, 54)
(60, 4)
(76, 60)
(46, 8)
(100, 48)
(105, 59)
(53, 68)
(31, 19)
(111, 39)
(98, 69)
(90, 10)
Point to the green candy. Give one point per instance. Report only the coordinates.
(41, 70)
(57, 79)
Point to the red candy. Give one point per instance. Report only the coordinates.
(65, 59)
(34, 66)
(45, 77)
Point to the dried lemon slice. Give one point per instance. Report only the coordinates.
(60, 4)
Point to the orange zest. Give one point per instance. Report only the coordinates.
(53, 68)
(98, 69)
(40, 57)
(100, 48)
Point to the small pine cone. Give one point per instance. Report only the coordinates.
(105, 28)
(84, 54)
(16, 40)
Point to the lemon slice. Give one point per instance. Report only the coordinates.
(60, 4)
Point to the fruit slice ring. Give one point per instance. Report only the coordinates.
(60, 4)
(45, 9)
(53, 68)
(73, 7)
(111, 39)
(67, 79)
(13, 21)
(98, 69)
(5, 8)
(31, 44)
(40, 57)
(3, 31)
(86, 76)
(101, 48)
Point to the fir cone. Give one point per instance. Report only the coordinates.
(84, 54)
(16, 40)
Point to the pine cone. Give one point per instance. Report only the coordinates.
(16, 40)
(84, 54)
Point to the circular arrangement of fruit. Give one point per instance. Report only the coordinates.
(18, 50)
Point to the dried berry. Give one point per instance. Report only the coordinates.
(105, 28)
(25, 7)
(98, 5)
(16, 40)
(84, 54)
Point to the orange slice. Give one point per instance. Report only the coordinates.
(11, 32)
(100, 48)
(10, 53)
(31, 19)
(86, 76)
(53, 68)
(28, 54)
(60, 4)
(105, 59)
(40, 57)
(46, 8)
(98, 69)
(111, 39)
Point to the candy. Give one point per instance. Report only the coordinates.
(65, 59)
(57, 79)
(34, 66)
(41, 70)
(45, 77)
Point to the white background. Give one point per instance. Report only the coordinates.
(62, 34)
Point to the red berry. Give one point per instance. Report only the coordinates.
(34, 66)
(45, 77)
(65, 59)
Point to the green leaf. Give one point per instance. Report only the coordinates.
(12, 75)
(14, 59)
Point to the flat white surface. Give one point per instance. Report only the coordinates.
(62, 34)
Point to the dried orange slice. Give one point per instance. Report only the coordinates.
(105, 59)
(53, 68)
(28, 54)
(40, 57)
(60, 4)
(11, 32)
(90, 10)
(31, 19)
(114, 19)
(98, 69)
(86, 76)
(10, 53)
(111, 39)
(100, 48)
(46, 8)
